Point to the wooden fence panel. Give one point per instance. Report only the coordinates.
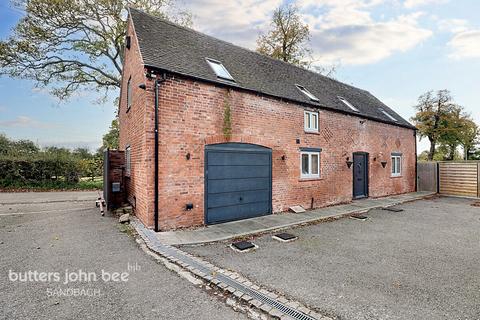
(459, 178)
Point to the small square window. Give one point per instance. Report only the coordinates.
(307, 93)
(128, 160)
(310, 165)
(311, 121)
(396, 165)
(220, 69)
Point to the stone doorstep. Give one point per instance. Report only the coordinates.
(236, 294)
(216, 234)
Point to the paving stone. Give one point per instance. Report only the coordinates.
(231, 289)
(255, 303)
(265, 308)
(246, 297)
(303, 309)
(282, 300)
(238, 294)
(275, 313)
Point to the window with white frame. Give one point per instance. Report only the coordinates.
(396, 164)
(128, 160)
(309, 164)
(129, 93)
(220, 69)
(311, 121)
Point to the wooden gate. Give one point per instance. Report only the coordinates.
(459, 178)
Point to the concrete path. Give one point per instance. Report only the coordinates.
(272, 222)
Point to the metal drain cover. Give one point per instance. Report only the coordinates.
(284, 237)
(361, 218)
(243, 245)
(392, 209)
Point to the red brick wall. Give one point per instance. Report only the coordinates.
(191, 115)
(136, 131)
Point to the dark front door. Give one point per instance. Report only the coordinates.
(360, 175)
(238, 182)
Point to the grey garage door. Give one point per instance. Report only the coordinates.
(238, 182)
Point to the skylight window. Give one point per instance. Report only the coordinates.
(388, 115)
(219, 69)
(307, 93)
(348, 104)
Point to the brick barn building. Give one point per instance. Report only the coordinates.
(242, 135)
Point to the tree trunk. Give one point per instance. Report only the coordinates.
(431, 153)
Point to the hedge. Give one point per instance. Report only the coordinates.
(15, 172)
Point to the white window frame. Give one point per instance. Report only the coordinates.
(307, 93)
(129, 93)
(128, 160)
(348, 104)
(309, 175)
(309, 124)
(215, 63)
(396, 170)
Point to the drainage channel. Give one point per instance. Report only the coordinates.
(172, 252)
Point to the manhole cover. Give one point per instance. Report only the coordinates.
(361, 218)
(392, 209)
(284, 237)
(243, 246)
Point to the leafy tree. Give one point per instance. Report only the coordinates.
(82, 153)
(468, 137)
(69, 45)
(111, 138)
(433, 110)
(288, 38)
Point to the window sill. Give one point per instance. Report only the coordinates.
(310, 179)
(398, 176)
(311, 132)
(128, 109)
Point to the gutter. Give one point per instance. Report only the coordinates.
(416, 160)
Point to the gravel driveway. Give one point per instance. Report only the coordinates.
(48, 233)
(422, 263)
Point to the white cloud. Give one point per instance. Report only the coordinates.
(343, 31)
(347, 34)
(465, 44)
(24, 122)
(235, 21)
(453, 25)
(417, 3)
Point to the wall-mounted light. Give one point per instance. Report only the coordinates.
(189, 206)
(188, 156)
(284, 157)
(384, 163)
(349, 163)
(297, 141)
(142, 86)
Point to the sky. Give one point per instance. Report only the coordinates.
(396, 49)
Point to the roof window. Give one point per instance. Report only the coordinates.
(388, 115)
(220, 69)
(348, 104)
(307, 93)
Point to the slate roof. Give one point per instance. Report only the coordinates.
(172, 48)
